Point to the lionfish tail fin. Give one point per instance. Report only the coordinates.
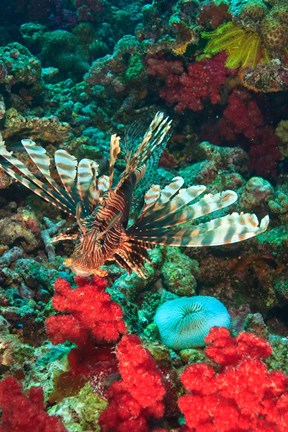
(167, 212)
(154, 136)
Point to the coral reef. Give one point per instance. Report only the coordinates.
(71, 74)
(185, 322)
(92, 314)
(139, 393)
(189, 89)
(24, 412)
(242, 394)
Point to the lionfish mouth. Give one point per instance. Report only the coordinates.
(83, 271)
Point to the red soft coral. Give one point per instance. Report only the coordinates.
(24, 413)
(243, 117)
(243, 395)
(202, 82)
(225, 350)
(139, 394)
(92, 313)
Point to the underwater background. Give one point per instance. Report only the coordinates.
(94, 354)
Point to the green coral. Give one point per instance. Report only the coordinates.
(80, 413)
(179, 273)
(279, 358)
(135, 68)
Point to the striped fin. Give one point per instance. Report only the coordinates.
(86, 181)
(132, 257)
(171, 206)
(29, 180)
(39, 157)
(178, 213)
(169, 191)
(158, 197)
(103, 184)
(231, 228)
(42, 161)
(139, 173)
(66, 167)
(114, 151)
(151, 196)
(157, 130)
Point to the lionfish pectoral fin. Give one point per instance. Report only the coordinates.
(79, 217)
(16, 169)
(231, 228)
(64, 236)
(167, 212)
(132, 255)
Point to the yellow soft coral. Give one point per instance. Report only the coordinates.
(242, 46)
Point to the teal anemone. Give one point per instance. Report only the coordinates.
(184, 322)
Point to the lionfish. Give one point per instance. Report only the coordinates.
(104, 232)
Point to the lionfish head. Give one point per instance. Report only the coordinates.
(88, 256)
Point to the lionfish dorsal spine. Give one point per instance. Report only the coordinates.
(156, 133)
(114, 151)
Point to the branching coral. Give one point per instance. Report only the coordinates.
(242, 116)
(242, 395)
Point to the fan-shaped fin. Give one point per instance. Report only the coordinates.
(179, 214)
(66, 167)
(29, 180)
(39, 157)
(228, 229)
(103, 184)
(164, 206)
(151, 197)
(86, 181)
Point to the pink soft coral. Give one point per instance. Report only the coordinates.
(24, 413)
(138, 395)
(242, 396)
(90, 314)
